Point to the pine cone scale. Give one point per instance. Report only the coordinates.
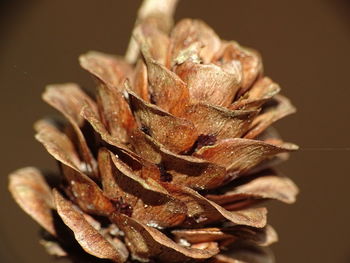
(209, 83)
(32, 193)
(168, 90)
(219, 121)
(90, 239)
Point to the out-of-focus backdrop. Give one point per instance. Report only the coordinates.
(306, 48)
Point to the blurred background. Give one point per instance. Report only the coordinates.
(306, 49)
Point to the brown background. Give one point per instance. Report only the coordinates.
(306, 48)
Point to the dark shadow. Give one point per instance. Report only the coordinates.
(11, 12)
(342, 7)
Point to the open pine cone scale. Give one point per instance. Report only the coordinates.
(170, 162)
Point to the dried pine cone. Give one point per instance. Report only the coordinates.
(172, 160)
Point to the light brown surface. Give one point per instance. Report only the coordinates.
(305, 48)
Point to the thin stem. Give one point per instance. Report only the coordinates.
(160, 10)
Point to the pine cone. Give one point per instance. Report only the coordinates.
(172, 161)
